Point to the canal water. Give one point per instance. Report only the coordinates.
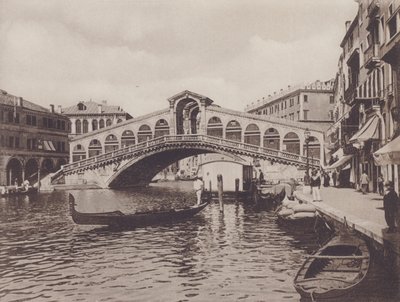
(241, 255)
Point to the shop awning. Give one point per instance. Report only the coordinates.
(48, 146)
(370, 130)
(340, 163)
(388, 154)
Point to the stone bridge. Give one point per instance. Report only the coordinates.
(134, 151)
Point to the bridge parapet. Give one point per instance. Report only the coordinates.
(175, 142)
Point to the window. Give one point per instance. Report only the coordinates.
(298, 115)
(331, 115)
(17, 142)
(10, 117)
(331, 99)
(28, 119)
(45, 122)
(11, 141)
(305, 98)
(298, 100)
(392, 27)
(1, 115)
(29, 144)
(305, 115)
(16, 118)
(2, 141)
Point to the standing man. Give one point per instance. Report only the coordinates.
(315, 183)
(198, 188)
(390, 204)
(334, 177)
(261, 177)
(364, 180)
(380, 184)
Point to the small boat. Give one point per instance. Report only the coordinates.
(19, 191)
(139, 219)
(336, 269)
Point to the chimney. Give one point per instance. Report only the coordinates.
(59, 109)
(51, 108)
(99, 108)
(104, 102)
(20, 102)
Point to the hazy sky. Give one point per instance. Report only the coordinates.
(138, 53)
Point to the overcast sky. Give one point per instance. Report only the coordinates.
(138, 53)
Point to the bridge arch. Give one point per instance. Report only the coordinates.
(127, 138)
(95, 148)
(233, 131)
(291, 143)
(214, 127)
(271, 139)
(252, 135)
(111, 143)
(144, 133)
(78, 153)
(161, 128)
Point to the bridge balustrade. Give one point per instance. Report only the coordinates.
(189, 138)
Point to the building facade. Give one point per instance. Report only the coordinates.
(89, 116)
(33, 140)
(366, 92)
(311, 103)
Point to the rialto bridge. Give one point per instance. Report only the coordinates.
(134, 151)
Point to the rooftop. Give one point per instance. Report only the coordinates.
(12, 100)
(91, 107)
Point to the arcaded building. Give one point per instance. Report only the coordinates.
(89, 116)
(33, 140)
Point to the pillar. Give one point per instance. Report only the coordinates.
(203, 122)
(73, 126)
(172, 119)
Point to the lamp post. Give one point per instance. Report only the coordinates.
(307, 140)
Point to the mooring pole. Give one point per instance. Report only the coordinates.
(236, 187)
(220, 184)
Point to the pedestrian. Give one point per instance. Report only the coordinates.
(315, 183)
(380, 184)
(327, 179)
(334, 177)
(364, 180)
(198, 187)
(261, 177)
(390, 204)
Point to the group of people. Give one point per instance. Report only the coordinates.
(4, 190)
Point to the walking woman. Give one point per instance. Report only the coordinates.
(315, 183)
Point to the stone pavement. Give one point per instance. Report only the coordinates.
(363, 212)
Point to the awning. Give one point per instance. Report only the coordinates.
(48, 146)
(388, 154)
(370, 130)
(341, 162)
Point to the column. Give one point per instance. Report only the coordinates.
(73, 126)
(172, 120)
(203, 122)
(90, 126)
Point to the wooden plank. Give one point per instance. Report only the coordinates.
(337, 257)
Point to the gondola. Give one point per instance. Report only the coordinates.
(336, 269)
(20, 191)
(139, 219)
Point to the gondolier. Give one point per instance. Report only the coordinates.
(198, 187)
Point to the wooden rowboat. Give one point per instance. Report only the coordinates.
(142, 219)
(336, 269)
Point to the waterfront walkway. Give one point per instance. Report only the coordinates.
(363, 212)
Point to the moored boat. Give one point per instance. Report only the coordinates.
(336, 269)
(138, 219)
(13, 191)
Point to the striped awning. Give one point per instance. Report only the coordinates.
(371, 89)
(340, 163)
(388, 154)
(369, 130)
(49, 146)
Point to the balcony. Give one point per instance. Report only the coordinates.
(349, 94)
(372, 58)
(373, 8)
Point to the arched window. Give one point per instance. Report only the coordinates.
(127, 138)
(111, 143)
(252, 135)
(271, 139)
(95, 125)
(101, 123)
(85, 126)
(78, 127)
(95, 148)
(214, 127)
(14, 171)
(144, 133)
(108, 122)
(162, 128)
(314, 148)
(119, 121)
(291, 143)
(78, 153)
(233, 131)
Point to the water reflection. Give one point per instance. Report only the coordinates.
(241, 254)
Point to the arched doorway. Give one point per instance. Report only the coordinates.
(291, 143)
(314, 148)
(233, 131)
(111, 143)
(14, 171)
(78, 153)
(78, 127)
(95, 125)
(214, 127)
(162, 128)
(144, 133)
(271, 139)
(31, 170)
(187, 116)
(46, 167)
(95, 148)
(252, 135)
(127, 138)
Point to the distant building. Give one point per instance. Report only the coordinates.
(90, 116)
(32, 138)
(311, 103)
